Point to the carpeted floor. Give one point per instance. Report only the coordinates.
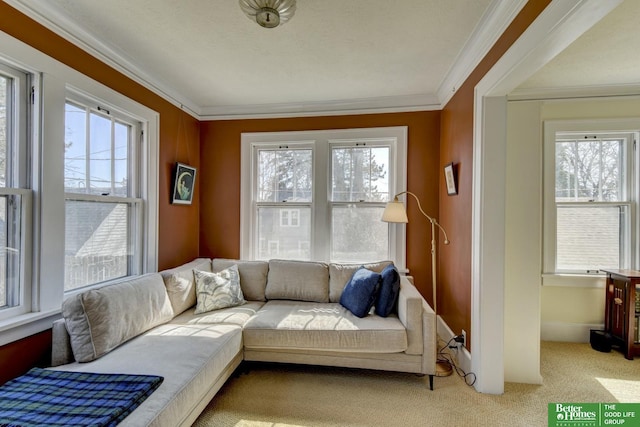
(272, 395)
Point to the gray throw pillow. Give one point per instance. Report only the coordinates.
(218, 290)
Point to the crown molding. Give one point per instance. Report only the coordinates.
(575, 92)
(390, 104)
(46, 15)
(488, 30)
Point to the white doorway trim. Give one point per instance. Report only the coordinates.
(557, 26)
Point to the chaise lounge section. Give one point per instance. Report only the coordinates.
(291, 314)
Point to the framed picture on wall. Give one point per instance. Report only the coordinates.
(183, 184)
(450, 179)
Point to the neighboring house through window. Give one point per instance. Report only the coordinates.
(102, 203)
(590, 196)
(319, 195)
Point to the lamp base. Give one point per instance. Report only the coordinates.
(443, 368)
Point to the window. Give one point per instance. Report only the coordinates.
(15, 197)
(590, 199)
(320, 195)
(102, 203)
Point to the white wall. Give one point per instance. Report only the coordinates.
(553, 311)
(523, 244)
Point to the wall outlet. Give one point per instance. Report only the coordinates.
(464, 338)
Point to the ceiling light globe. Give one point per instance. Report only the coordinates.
(269, 13)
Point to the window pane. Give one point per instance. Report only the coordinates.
(360, 174)
(100, 165)
(590, 170)
(588, 238)
(10, 238)
(96, 242)
(281, 237)
(99, 154)
(4, 129)
(358, 235)
(284, 175)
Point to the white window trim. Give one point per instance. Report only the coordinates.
(551, 128)
(397, 237)
(52, 79)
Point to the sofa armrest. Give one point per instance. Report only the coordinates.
(61, 352)
(420, 321)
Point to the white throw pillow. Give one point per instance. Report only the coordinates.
(218, 290)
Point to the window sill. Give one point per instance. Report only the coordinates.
(573, 280)
(22, 326)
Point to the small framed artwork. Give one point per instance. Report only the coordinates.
(185, 179)
(450, 179)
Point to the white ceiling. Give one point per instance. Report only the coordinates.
(603, 61)
(333, 56)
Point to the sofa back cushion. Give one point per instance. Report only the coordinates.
(253, 276)
(340, 274)
(181, 284)
(298, 281)
(99, 320)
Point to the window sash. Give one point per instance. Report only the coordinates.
(19, 293)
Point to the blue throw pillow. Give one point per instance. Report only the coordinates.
(360, 292)
(389, 290)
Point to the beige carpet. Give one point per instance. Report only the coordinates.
(287, 395)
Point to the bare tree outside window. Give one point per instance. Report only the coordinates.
(590, 181)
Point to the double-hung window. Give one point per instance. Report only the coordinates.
(319, 195)
(103, 207)
(590, 197)
(15, 195)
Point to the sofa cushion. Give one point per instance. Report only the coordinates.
(327, 327)
(99, 320)
(191, 358)
(181, 285)
(238, 315)
(360, 292)
(389, 290)
(253, 276)
(218, 290)
(340, 274)
(298, 281)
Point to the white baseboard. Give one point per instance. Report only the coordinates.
(567, 332)
(462, 357)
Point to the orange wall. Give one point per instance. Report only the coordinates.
(456, 145)
(220, 178)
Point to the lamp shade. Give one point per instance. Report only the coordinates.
(395, 212)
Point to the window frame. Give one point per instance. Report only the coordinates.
(50, 81)
(19, 138)
(550, 275)
(135, 240)
(321, 141)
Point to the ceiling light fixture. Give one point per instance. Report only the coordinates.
(269, 13)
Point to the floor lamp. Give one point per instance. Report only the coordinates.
(395, 212)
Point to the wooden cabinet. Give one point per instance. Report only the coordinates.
(622, 310)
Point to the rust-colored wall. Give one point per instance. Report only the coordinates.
(220, 189)
(456, 145)
(20, 356)
(179, 141)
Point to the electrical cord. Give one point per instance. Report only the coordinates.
(445, 356)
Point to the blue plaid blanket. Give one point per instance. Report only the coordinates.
(58, 398)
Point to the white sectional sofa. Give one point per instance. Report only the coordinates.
(292, 314)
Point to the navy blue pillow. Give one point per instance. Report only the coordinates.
(389, 290)
(360, 292)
